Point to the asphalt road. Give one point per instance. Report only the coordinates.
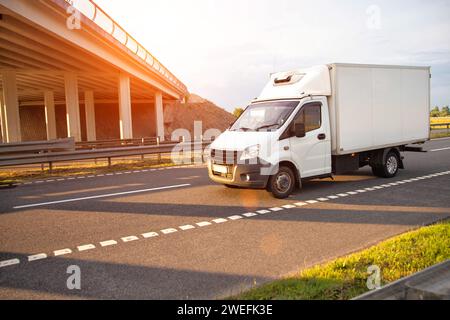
(211, 241)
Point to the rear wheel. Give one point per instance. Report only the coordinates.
(389, 168)
(282, 183)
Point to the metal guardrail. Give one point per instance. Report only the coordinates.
(439, 125)
(99, 144)
(432, 283)
(108, 153)
(97, 15)
(37, 146)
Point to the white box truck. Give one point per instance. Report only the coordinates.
(330, 119)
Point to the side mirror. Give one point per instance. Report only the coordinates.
(299, 130)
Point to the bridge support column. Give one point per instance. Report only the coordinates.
(11, 107)
(159, 115)
(126, 124)
(89, 107)
(50, 118)
(72, 106)
(2, 118)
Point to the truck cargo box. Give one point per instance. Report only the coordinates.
(373, 106)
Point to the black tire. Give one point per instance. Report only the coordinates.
(231, 186)
(390, 166)
(282, 183)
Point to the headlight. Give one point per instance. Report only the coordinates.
(250, 153)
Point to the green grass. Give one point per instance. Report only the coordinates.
(346, 277)
(439, 135)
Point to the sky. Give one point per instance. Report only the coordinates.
(224, 50)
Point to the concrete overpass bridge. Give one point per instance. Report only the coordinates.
(69, 70)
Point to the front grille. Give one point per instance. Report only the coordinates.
(224, 157)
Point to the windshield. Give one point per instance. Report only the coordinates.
(266, 116)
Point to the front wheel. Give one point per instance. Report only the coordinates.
(389, 168)
(282, 183)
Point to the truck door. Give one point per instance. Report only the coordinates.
(312, 153)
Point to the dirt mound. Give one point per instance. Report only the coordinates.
(179, 115)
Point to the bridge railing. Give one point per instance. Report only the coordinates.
(97, 15)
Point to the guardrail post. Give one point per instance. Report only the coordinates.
(109, 162)
(50, 167)
(142, 144)
(158, 142)
(202, 150)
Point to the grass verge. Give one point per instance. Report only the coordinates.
(439, 135)
(346, 277)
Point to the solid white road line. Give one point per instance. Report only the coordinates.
(441, 149)
(101, 196)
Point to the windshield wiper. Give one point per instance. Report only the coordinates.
(267, 126)
(245, 129)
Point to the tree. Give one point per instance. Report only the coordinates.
(435, 112)
(237, 112)
(445, 111)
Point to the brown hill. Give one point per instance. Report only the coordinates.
(183, 115)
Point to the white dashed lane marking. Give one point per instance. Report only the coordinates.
(249, 214)
(62, 252)
(203, 224)
(187, 227)
(148, 235)
(169, 231)
(108, 243)
(86, 247)
(106, 175)
(8, 263)
(37, 257)
(221, 220)
(130, 238)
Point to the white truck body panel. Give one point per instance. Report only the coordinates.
(378, 106)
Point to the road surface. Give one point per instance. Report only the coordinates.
(173, 234)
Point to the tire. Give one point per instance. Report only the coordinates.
(389, 168)
(282, 183)
(230, 186)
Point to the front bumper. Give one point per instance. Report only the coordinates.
(240, 175)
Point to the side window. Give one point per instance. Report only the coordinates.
(311, 116)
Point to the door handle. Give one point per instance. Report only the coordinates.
(322, 136)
